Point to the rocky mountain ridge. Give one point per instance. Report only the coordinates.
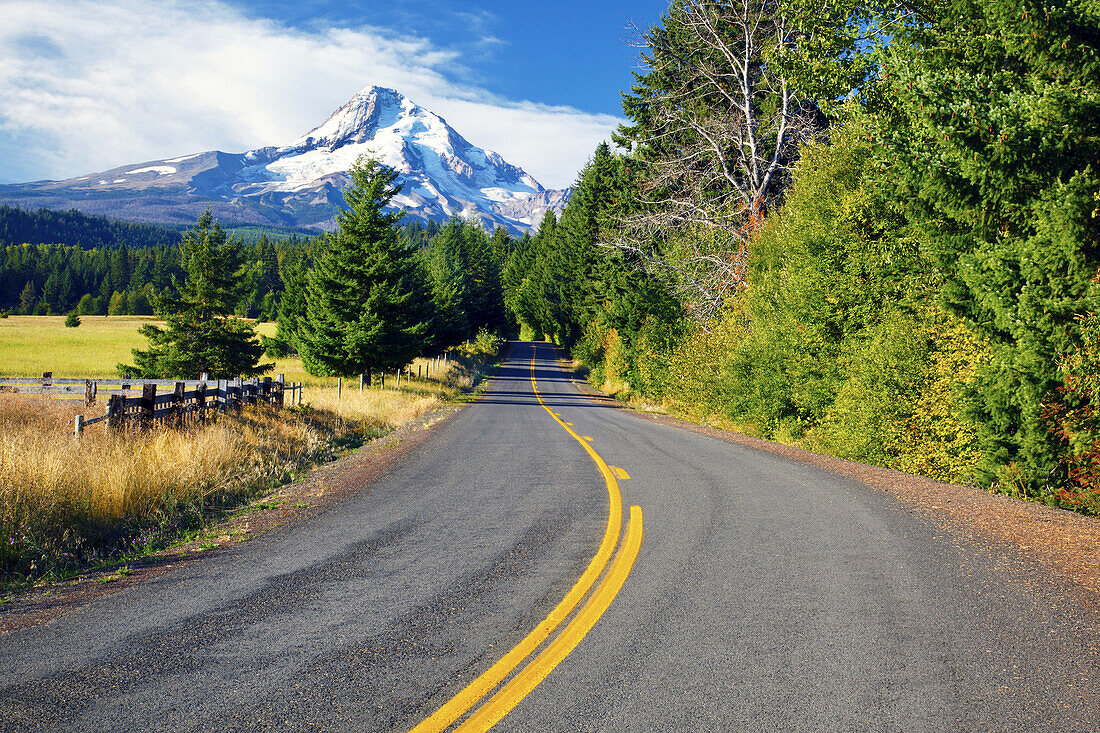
(299, 185)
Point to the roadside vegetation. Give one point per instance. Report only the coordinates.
(872, 232)
(68, 504)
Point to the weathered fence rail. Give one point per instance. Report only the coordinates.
(182, 402)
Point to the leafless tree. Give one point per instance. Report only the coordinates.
(717, 126)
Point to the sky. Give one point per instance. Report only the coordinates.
(88, 85)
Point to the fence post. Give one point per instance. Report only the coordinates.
(90, 389)
(148, 404)
(265, 390)
(339, 387)
(176, 417)
(116, 410)
(78, 426)
(200, 400)
(362, 381)
(299, 394)
(398, 378)
(382, 378)
(279, 390)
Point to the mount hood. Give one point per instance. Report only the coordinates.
(299, 185)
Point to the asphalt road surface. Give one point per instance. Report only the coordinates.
(767, 595)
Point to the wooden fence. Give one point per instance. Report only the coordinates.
(181, 402)
(137, 402)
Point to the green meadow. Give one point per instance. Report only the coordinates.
(31, 345)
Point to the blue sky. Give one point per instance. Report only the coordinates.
(91, 84)
(558, 53)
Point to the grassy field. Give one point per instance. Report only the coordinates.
(66, 504)
(31, 345)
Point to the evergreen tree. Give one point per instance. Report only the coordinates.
(989, 113)
(463, 260)
(28, 298)
(294, 273)
(202, 334)
(445, 264)
(367, 305)
(87, 305)
(120, 268)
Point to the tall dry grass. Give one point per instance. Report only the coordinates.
(66, 504)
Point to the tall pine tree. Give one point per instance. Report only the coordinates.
(202, 333)
(989, 115)
(367, 302)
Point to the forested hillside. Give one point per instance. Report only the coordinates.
(872, 232)
(123, 275)
(18, 226)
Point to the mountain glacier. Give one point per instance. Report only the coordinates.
(299, 185)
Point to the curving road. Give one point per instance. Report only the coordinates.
(767, 595)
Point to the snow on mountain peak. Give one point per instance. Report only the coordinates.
(300, 184)
(358, 119)
(442, 172)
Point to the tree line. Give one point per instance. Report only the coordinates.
(52, 279)
(870, 229)
(44, 226)
(66, 262)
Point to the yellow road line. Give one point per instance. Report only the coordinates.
(457, 706)
(530, 676)
(620, 473)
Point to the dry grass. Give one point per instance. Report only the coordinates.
(66, 504)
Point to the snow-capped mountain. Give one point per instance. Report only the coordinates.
(300, 184)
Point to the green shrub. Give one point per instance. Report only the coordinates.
(486, 342)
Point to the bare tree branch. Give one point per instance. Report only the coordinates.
(721, 131)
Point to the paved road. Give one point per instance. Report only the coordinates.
(767, 595)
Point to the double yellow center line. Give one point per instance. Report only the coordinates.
(508, 696)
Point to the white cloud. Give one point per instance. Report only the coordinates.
(88, 85)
